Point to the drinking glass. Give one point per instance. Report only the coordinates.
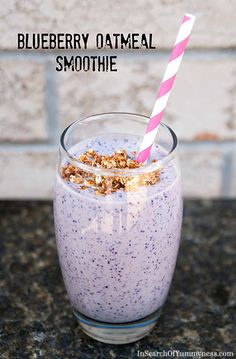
(118, 252)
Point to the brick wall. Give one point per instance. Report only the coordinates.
(37, 102)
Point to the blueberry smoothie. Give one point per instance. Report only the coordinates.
(118, 252)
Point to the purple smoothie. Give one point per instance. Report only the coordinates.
(118, 252)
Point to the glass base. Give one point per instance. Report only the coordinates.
(117, 333)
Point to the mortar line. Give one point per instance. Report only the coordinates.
(51, 103)
(28, 147)
(226, 183)
(45, 55)
(227, 147)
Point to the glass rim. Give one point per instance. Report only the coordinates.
(148, 167)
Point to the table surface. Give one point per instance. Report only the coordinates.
(35, 316)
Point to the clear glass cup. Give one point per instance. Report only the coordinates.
(118, 252)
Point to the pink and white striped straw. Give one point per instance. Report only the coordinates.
(166, 86)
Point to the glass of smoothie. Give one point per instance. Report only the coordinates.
(117, 227)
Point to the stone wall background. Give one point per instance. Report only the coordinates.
(37, 102)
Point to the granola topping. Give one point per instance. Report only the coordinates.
(104, 185)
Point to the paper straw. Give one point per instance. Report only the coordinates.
(166, 86)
